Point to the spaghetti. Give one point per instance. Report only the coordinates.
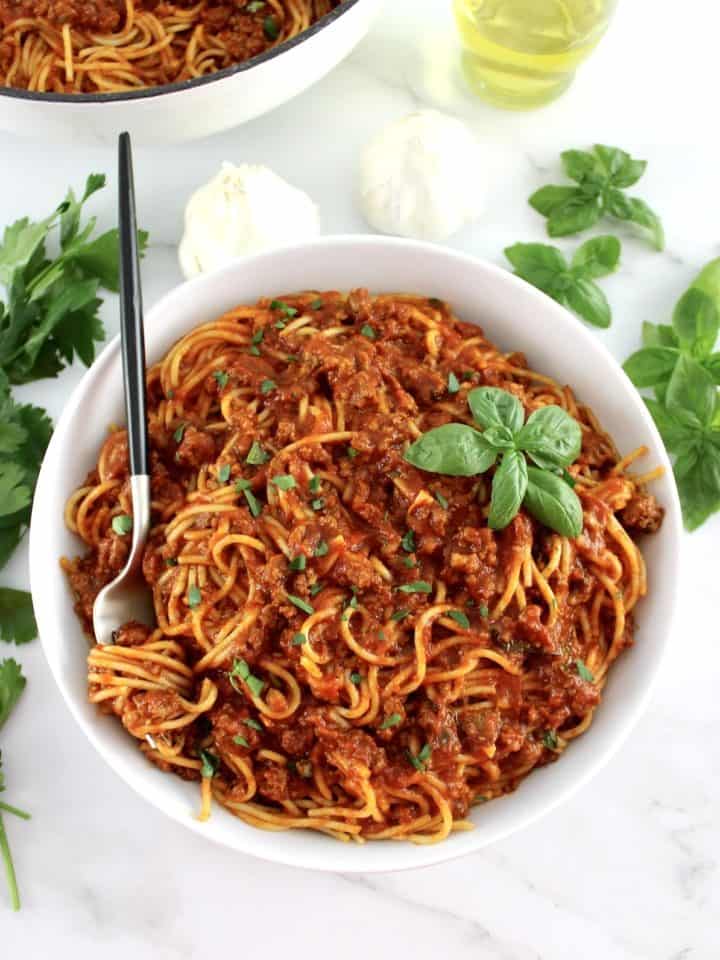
(111, 46)
(342, 643)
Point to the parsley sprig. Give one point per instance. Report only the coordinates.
(12, 684)
(601, 175)
(550, 439)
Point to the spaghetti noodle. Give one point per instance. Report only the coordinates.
(110, 46)
(342, 643)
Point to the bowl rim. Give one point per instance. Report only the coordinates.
(426, 855)
(33, 96)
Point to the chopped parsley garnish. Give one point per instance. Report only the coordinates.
(258, 336)
(408, 542)
(440, 499)
(314, 484)
(271, 30)
(321, 549)
(351, 452)
(392, 721)
(280, 305)
(352, 602)
(318, 504)
(300, 603)
(221, 378)
(284, 481)
(367, 331)
(291, 358)
(417, 586)
(453, 384)
(299, 562)
(267, 386)
(483, 610)
(315, 588)
(223, 474)
(256, 455)
(210, 763)
(459, 617)
(254, 505)
(316, 304)
(280, 324)
(583, 671)
(255, 5)
(298, 640)
(241, 741)
(122, 524)
(254, 350)
(171, 562)
(408, 562)
(194, 597)
(356, 678)
(178, 435)
(252, 723)
(550, 739)
(400, 615)
(241, 669)
(421, 759)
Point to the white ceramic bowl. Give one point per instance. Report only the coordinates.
(515, 316)
(193, 108)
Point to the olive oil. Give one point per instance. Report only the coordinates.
(524, 53)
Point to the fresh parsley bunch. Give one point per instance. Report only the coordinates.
(602, 175)
(677, 361)
(550, 439)
(573, 285)
(12, 684)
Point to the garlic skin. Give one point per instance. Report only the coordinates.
(243, 210)
(422, 177)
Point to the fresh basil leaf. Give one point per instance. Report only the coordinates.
(636, 211)
(696, 322)
(553, 502)
(621, 169)
(651, 365)
(501, 438)
(454, 449)
(551, 437)
(576, 214)
(578, 164)
(658, 335)
(712, 365)
(708, 281)
(691, 391)
(508, 489)
(587, 300)
(548, 199)
(538, 263)
(597, 257)
(699, 487)
(493, 407)
(676, 435)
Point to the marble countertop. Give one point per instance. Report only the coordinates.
(628, 869)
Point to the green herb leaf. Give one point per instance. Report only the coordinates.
(550, 739)
(122, 524)
(256, 455)
(322, 548)
(241, 669)
(658, 335)
(455, 449)
(194, 597)
(299, 562)
(441, 499)
(578, 164)
(400, 615)
(314, 484)
(254, 505)
(271, 28)
(508, 489)
(253, 724)
(284, 481)
(417, 586)
(17, 620)
(298, 640)
(315, 588)
(583, 671)
(317, 504)
(553, 502)
(651, 365)
(280, 304)
(241, 741)
(367, 331)
(691, 391)
(351, 452)
(597, 257)
(12, 684)
(453, 384)
(221, 378)
(548, 199)
(223, 473)
(699, 487)
(576, 214)
(696, 322)
(551, 437)
(459, 617)
(586, 299)
(408, 542)
(493, 407)
(538, 263)
(210, 764)
(178, 435)
(267, 386)
(392, 721)
(316, 304)
(301, 604)
(356, 678)
(636, 211)
(421, 759)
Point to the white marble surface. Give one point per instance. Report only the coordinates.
(628, 870)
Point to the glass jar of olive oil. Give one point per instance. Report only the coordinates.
(523, 53)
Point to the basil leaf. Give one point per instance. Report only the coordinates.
(548, 199)
(553, 502)
(696, 322)
(691, 391)
(712, 365)
(576, 214)
(636, 211)
(578, 164)
(493, 407)
(597, 257)
(538, 263)
(658, 335)
(676, 435)
(621, 169)
(551, 437)
(508, 489)
(699, 488)
(708, 281)
(651, 365)
(587, 300)
(501, 438)
(454, 449)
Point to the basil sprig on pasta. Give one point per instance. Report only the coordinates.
(531, 458)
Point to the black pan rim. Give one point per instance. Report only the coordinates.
(14, 93)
